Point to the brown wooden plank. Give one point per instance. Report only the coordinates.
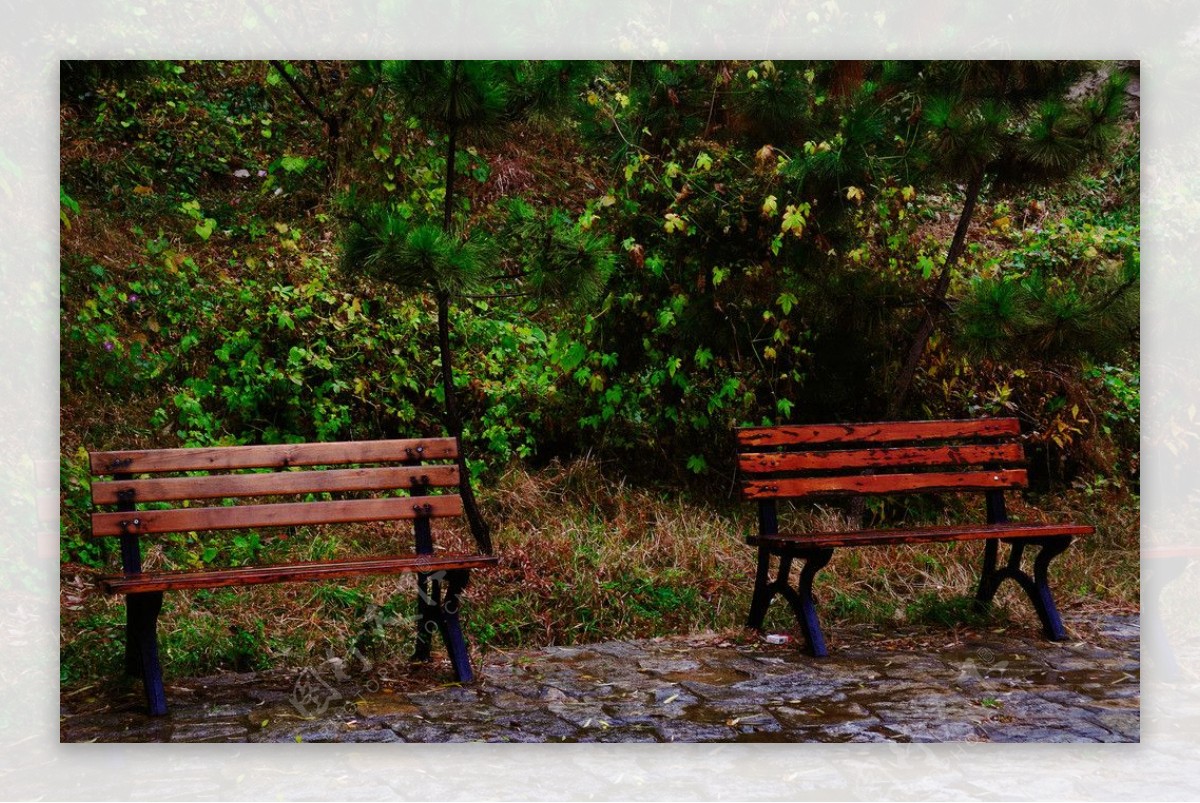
(275, 515)
(221, 486)
(886, 457)
(884, 483)
(920, 535)
(877, 432)
(272, 456)
(292, 572)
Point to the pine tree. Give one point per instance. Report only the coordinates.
(470, 98)
(1007, 123)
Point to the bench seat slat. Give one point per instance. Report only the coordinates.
(893, 457)
(879, 432)
(918, 535)
(272, 455)
(784, 488)
(285, 514)
(292, 572)
(220, 486)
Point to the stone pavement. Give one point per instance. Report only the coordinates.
(897, 686)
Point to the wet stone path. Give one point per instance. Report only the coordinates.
(875, 687)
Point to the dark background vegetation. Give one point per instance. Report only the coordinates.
(629, 259)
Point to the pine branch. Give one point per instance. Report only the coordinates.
(300, 93)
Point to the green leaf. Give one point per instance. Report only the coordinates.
(786, 301)
(205, 228)
(926, 266)
(67, 200)
(674, 223)
(293, 164)
(573, 356)
(697, 464)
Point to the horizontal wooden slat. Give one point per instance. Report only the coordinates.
(884, 483)
(919, 535)
(273, 455)
(275, 515)
(221, 486)
(878, 432)
(888, 457)
(322, 570)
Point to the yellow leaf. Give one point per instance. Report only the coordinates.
(674, 222)
(281, 228)
(855, 194)
(143, 190)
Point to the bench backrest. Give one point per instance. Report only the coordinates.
(880, 458)
(298, 470)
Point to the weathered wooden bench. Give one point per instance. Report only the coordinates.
(806, 461)
(362, 493)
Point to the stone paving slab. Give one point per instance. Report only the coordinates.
(934, 686)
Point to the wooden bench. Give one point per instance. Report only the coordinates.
(802, 462)
(362, 493)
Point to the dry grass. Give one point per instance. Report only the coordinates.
(586, 557)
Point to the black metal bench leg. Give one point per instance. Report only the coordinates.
(806, 610)
(133, 650)
(800, 599)
(428, 600)
(1042, 599)
(762, 591)
(988, 581)
(452, 634)
(1037, 587)
(142, 610)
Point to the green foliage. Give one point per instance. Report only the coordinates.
(856, 608)
(75, 543)
(66, 204)
(383, 243)
(932, 608)
(639, 257)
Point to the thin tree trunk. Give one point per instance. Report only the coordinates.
(332, 122)
(937, 301)
(479, 528)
